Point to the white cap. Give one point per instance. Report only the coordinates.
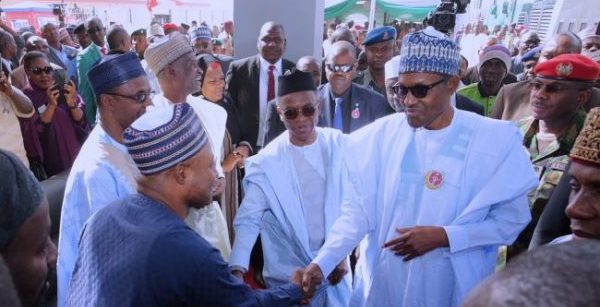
(392, 68)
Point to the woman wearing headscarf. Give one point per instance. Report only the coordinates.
(234, 150)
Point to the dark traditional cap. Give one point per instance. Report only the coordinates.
(114, 70)
(157, 142)
(20, 196)
(295, 81)
(185, 25)
(79, 28)
(533, 54)
(139, 32)
(587, 145)
(570, 66)
(380, 34)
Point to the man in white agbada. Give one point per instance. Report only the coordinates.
(103, 170)
(437, 190)
(173, 60)
(293, 191)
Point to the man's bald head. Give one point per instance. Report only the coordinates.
(36, 43)
(342, 34)
(118, 39)
(270, 26)
(310, 64)
(561, 43)
(341, 48)
(563, 275)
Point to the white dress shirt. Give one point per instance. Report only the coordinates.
(263, 86)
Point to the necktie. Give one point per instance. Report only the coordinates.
(338, 114)
(271, 84)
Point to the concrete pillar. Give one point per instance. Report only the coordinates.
(302, 20)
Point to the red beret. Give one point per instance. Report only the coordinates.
(170, 26)
(570, 66)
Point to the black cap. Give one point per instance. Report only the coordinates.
(295, 81)
(141, 32)
(79, 28)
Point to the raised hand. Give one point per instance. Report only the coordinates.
(416, 241)
(5, 86)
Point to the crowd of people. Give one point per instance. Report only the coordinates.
(402, 169)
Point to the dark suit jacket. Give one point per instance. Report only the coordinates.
(242, 90)
(466, 104)
(71, 53)
(366, 105)
(512, 101)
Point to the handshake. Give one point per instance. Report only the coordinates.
(311, 277)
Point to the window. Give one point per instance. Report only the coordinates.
(582, 26)
(571, 26)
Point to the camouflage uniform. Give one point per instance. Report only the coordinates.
(549, 165)
(365, 78)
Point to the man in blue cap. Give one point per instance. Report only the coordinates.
(529, 60)
(430, 194)
(380, 47)
(138, 251)
(102, 171)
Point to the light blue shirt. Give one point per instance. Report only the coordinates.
(102, 173)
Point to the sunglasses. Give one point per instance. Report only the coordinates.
(340, 68)
(39, 70)
(139, 97)
(418, 91)
(293, 113)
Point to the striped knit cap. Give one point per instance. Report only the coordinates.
(157, 141)
(429, 51)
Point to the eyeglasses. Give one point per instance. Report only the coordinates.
(39, 70)
(340, 68)
(418, 91)
(307, 110)
(139, 97)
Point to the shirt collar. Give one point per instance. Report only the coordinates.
(264, 65)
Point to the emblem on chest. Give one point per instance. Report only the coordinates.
(434, 180)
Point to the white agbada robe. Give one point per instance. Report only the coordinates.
(209, 222)
(481, 203)
(102, 173)
(274, 206)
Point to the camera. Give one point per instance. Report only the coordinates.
(443, 18)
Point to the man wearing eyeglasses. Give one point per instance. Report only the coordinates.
(348, 106)
(561, 86)
(85, 60)
(430, 193)
(293, 191)
(103, 170)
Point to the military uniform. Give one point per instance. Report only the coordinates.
(549, 164)
(377, 35)
(366, 79)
